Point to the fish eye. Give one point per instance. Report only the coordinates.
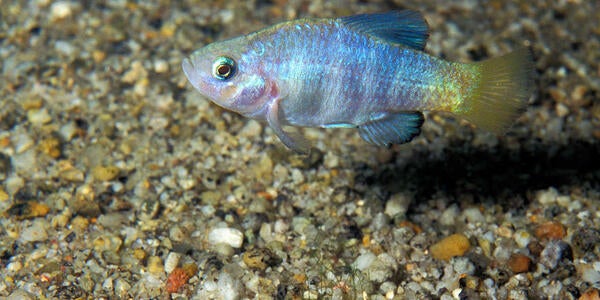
(223, 68)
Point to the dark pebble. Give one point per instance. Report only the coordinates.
(586, 240)
(556, 252)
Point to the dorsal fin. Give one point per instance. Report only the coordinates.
(406, 27)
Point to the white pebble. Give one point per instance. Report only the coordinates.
(297, 176)
(22, 142)
(36, 232)
(331, 160)
(449, 215)
(108, 284)
(172, 261)
(228, 287)
(208, 210)
(60, 10)
(122, 288)
(522, 238)
(591, 276)
(161, 66)
(474, 215)
(548, 196)
(364, 261)
(64, 48)
(39, 117)
(68, 131)
(226, 16)
(397, 204)
(14, 267)
(229, 236)
(13, 184)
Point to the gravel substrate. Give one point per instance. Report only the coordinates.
(118, 180)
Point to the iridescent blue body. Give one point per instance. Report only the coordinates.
(333, 76)
(366, 71)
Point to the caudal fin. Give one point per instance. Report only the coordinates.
(504, 86)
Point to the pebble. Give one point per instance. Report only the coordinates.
(550, 230)
(547, 197)
(19, 294)
(72, 174)
(172, 261)
(161, 66)
(586, 239)
(107, 242)
(36, 232)
(449, 216)
(229, 236)
(590, 275)
(519, 263)
(473, 215)
(176, 280)
(382, 269)
(397, 204)
(22, 143)
(135, 74)
(83, 203)
(3, 195)
(260, 258)
(522, 238)
(554, 253)
(60, 10)
(451, 246)
(252, 129)
(122, 288)
(364, 260)
(51, 147)
(39, 116)
(463, 265)
(155, 265)
(28, 210)
(65, 48)
(105, 173)
(590, 294)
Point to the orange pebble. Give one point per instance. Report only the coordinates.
(519, 263)
(590, 294)
(451, 246)
(176, 280)
(550, 230)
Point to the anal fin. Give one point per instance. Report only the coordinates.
(398, 128)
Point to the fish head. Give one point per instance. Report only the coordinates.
(227, 73)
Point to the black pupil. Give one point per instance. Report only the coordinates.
(223, 70)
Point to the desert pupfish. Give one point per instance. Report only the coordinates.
(364, 71)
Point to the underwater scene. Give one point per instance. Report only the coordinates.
(294, 149)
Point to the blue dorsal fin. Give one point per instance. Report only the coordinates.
(397, 128)
(406, 27)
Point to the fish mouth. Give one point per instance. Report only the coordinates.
(192, 74)
(188, 68)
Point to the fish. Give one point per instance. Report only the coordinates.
(369, 72)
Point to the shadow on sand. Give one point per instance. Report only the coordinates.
(491, 172)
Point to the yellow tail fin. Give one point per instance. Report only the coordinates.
(504, 86)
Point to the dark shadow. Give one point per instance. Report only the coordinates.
(490, 172)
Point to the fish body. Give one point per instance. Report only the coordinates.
(366, 71)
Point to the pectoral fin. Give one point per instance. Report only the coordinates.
(292, 140)
(397, 128)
